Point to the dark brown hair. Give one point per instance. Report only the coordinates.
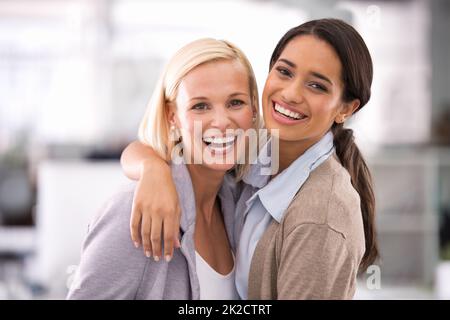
(356, 75)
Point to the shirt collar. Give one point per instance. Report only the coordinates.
(258, 175)
(185, 190)
(279, 192)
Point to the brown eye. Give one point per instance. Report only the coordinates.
(284, 71)
(318, 86)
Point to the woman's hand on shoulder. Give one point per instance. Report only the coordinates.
(156, 212)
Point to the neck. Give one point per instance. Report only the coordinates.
(290, 151)
(206, 183)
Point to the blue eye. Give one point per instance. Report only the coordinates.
(200, 106)
(236, 103)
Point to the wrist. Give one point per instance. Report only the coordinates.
(149, 166)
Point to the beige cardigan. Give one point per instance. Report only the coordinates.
(316, 249)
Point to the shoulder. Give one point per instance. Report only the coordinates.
(328, 199)
(110, 228)
(110, 266)
(116, 209)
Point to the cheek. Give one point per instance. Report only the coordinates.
(187, 126)
(272, 87)
(323, 106)
(244, 118)
(269, 87)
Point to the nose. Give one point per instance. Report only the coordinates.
(293, 93)
(221, 119)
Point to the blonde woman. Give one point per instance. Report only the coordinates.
(206, 93)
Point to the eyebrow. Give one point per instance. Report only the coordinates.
(321, 76)
(289, 63)
(230, 96)
(314, 73)
(198, 98)
(239, 94)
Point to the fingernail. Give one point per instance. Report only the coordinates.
(168, 258)
(148, 254)
(156, 258)
(136, 244)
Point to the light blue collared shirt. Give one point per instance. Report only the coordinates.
(263, 200)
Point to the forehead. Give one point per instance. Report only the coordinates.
(221, 77)
(310, 53)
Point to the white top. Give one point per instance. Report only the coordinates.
(213, 285)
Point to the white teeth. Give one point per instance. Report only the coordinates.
(218, 140)
(220, 145)
(208, 139)
(288, 113)
(220, 150)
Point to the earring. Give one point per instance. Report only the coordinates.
(254, 118)
(174, 133)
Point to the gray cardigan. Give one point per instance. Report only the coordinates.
(112, 268)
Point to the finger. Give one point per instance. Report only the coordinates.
(146, 227)
(135, 226)
(168, 225)
(155, 238)
(177, 243)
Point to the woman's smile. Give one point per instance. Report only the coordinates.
(220, 145)
(286, 114)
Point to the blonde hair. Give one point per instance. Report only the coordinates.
(154, 129)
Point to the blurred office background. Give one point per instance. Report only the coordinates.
(75, 77)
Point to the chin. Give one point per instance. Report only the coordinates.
(219, 167)
(219, 160)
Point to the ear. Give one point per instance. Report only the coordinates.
(346, 111)
(255, 107)
(171, 113)
(254, 113)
